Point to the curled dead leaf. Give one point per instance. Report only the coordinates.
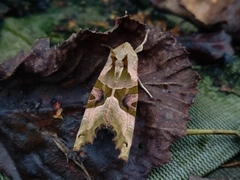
(164, 69)
(205, 12)
(208, 47)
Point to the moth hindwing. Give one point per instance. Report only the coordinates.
(113, 100)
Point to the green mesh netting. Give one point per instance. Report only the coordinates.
(200, 154)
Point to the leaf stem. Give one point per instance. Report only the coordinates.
(211, 131)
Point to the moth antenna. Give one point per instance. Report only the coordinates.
(144, 88)
(140, 47)
(107, 46)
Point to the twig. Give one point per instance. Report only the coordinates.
(231, 164)
(211, 131)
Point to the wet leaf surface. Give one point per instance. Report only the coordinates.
(33, 82)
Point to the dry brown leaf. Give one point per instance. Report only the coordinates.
(205, 12)
(164, 69)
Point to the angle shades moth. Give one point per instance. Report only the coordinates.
(113, 100)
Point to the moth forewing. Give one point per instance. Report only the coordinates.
(113, 100)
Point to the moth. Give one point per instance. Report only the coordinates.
(113, 100)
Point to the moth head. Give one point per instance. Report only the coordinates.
(119, 66)
(119, 58)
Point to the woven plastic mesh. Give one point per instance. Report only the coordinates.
(201, 154)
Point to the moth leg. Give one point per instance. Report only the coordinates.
(140, 47)
(68, 153)
(144, 88)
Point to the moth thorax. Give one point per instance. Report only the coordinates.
(119, 65)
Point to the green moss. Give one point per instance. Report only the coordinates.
(220, 80)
